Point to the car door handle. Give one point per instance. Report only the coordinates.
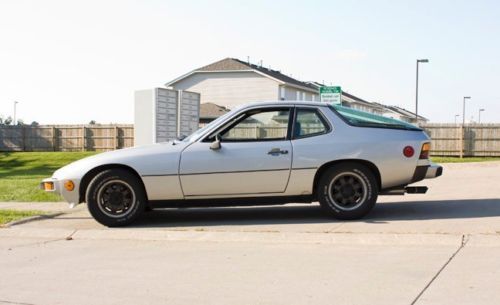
(276, 151)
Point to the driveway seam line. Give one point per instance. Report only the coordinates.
(465, 239)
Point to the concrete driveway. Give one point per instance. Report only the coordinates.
(438, 248)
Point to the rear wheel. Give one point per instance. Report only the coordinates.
(115, 197)
(348, 191)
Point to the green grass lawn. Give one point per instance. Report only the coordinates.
(11, 215)
(21, 173)
(465, 159)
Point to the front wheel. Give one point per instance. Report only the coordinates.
(348, 191)
(115, 197)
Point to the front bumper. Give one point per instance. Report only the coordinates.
(55, 185)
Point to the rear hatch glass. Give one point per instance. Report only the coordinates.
(364, 119)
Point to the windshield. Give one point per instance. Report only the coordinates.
(365, 119)
(194, 136)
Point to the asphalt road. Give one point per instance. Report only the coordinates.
(438, 248)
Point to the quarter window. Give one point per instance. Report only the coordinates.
(308, 122)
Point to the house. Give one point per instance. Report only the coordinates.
(231, 82)
(395, 112)
(402, 114)
(352, 101)
(211, 111)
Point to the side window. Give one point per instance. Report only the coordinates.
(308, 122)
(261, 125)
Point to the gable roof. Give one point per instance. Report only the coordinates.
(211, 111)
(405, 112)
(353, 98)
(234, 64)
(362, 101)
(350, 97)
(228, 64)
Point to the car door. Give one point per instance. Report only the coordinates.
(254, 157)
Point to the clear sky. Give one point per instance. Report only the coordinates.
(76, 61)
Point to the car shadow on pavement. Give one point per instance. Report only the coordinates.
(436, 209)
(309, 214)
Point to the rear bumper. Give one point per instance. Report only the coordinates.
(426, 172)
(421, 172)
(434, 171)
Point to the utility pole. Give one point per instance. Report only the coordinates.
(15, 108)
(462, 144)
(416, 89)
(479, 117)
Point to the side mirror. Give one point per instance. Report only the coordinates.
(215, 144)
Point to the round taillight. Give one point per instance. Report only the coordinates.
(408, 151)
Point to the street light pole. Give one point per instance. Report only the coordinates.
(456, 116)
(479, 117)
(15, 108)
(463, 111)
(463, 129)
(416, 89)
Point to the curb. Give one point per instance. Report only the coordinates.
(31, 219)
(339, 239)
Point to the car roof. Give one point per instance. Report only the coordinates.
(282, 103)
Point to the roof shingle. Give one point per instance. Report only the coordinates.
(211, 110)
(234, 64)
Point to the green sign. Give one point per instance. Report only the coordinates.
(331, 94)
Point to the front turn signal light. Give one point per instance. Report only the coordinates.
(69, 185)
(426, 148)
(48, 186)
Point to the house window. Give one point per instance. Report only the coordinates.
(297, 97)
(282, 93)
(314, 97)
(303, 96)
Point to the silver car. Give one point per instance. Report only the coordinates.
(261, 153)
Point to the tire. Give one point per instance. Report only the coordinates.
(115, 197)
(348, 191)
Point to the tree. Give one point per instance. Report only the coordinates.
(34, 124)
(92, 122)
(20, 122)
(7, 121)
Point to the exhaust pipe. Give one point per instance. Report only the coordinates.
(405, 190)
(416, 189)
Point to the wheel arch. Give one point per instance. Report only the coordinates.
(371, 166)
(84, 183)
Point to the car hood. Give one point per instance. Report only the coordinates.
(156, 159)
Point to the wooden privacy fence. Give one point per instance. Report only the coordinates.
(479, 140)
(66, 137)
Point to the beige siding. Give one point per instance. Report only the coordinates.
(309, 97)
(291, 94)
(230, 89)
